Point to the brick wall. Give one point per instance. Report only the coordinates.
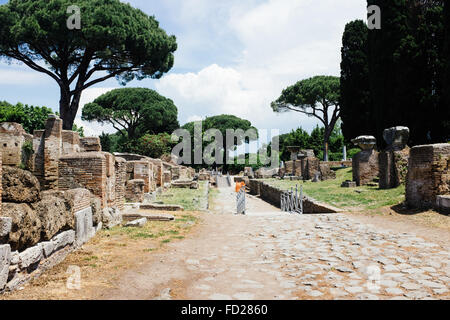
(135, 190)
(38, 157)
(158, 171)
(428, 175)
(84, 170)
(1, 183)
(70, 142)
(365, 167)
(90, 144)
(52, 152)
(81, 199)
(12, 138)
(142, 170)
(121, 180)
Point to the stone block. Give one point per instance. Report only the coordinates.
(5, 226)
(443, 204)
(19, 186)
(135, 190)
(396, 137)
(139, 223)
(30, 256)
(91, 144)
(63, 239)
(5, 258)
(48, 248)
(84, 227)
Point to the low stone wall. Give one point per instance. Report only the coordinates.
(272, 195)
(338, 164)
(428, 175)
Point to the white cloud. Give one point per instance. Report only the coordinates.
(92, 128)
(18, 76)
(283, 41)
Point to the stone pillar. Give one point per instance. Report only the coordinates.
(344, 153)
(394, 160)
(52, 151)
(428, 175)
(121, 180)
(38, 157)
(365, 163)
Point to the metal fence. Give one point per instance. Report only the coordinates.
(240, 201)
(292, 201)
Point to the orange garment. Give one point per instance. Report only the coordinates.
(239, 186)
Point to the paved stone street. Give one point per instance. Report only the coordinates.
(270, 255)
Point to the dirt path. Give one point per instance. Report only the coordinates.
(269, 255)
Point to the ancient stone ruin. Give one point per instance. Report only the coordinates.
(305, 166)
(365, 163)
(68, 191)
(393, 160)
(428, 178)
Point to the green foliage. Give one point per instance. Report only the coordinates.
(30, 117)
(115, 40)
(316, 97)
(407, 61)
(134, 111)
(355, 92)
(222, 123)
(155, 146)
(315, 142)
(78, 129)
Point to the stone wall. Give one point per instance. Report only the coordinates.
(135, 190)
(90, 144)
(52, 152)
(70, 142)
(393, 168)
(12, 139)
(325, 171)
(428, 175)
(365, 167)
(84, 170)
(121, 179)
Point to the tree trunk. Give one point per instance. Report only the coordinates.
(64, 107)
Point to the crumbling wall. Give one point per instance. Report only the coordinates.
(325, 171)
(135, 190)
(428, 175)
(121, 180)
(84, 170)
(393, 167)
(70, 142)
(90, 144)
(12, 139)
(52, 152)
(143, 170)
(365, 167)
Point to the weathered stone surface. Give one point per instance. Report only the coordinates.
(365, 166)
(30, 256)
(111, 217)
(84, 227)
(26, 225)
(348, 184)
(428, 175)
(48, 248)
(91, 144)
(130, 216)
(19, 186)
(54, 216)
(135, 190)
(443, 204)
(393, 167)
(97, 211)
(5, 227)
(185, 184)
(365, 142)
(63, 239)
(139, 223)
(165, 207)
(5, 258)
(396, 137)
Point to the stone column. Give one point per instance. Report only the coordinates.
(365, 163)
(52, 151)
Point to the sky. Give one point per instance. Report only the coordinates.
(233, 57)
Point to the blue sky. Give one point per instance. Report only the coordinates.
(233, 57)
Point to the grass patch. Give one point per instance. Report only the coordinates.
(189, 199)
(331, 192)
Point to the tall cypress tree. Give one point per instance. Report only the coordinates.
(355, 93)
(405, 66)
